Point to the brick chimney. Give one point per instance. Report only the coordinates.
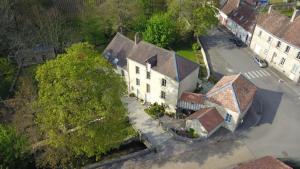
(137, 38)
(295, 14)
(270, 9)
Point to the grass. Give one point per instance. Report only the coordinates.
(188, 53)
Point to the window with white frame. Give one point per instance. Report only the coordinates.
(228, 118)
(137, 81)
(148, 88)
(148, 75)
(163, 82)
(278, 44)
(137, 70)
(298, 55)
(162, 94)
(259, 33)
(287, 49)
(282, 61)
(269, 39)
(295, 68)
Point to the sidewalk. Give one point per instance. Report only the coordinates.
(144, 123)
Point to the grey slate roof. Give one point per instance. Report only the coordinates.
(168, 62)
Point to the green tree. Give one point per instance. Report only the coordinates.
(13, 149)
(204, 19)
(79, 109)
(7, 72)
(161, 30)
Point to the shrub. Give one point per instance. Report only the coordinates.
(191, 133)
(195, 46)
(155, 110)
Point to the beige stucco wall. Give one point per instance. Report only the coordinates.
(171, 88)
(266, 50)
(197, 126)
(189, 83)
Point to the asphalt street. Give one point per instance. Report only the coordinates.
(278, 100)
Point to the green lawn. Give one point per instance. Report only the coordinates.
(187, 53)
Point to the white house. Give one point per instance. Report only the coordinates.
(205, 122)
(276, 39)
(153, 74)
(230, 98)
(239, 18)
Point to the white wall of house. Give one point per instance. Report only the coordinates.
(239, 31)
(222, 18)
(197, 126)
(264, 44)
(155, 83)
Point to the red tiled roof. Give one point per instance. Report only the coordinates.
(192, 97)
(280, 26)
(267, 162)
(210, 118)
(245, 16)
(234, 92)
(229, 6)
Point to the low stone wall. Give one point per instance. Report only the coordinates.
(121, 159)
(185, 139)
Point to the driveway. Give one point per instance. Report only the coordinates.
(142, 122)
(278, 130)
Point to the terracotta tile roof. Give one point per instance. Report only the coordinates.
(210, 118)
(229, 6)
(192, 97)
(280, 26)
(245, 16)
(234, 92)
(119, 47)
(168, 62)
(266, 162)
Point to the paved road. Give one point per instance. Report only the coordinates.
(144, 123)
(278, 132)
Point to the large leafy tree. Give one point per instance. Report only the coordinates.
(79, 107)
(161, 30)
(204, 19)
(13, 149)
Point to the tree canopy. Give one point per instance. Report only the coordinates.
(7, 72)
(13, 149)
(160, 30)
(79, 106)
(204, 19)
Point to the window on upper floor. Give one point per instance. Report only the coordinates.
(163, 82)
(137, 70)
(278, 44)
(228, 118)
(162, 94)
(295, 68)
(282, 61)
(137, 81)
(287, 49)
(269, 39)
(148, 88)
(298, 55)
(259, 33)
(148, 75)
(122, 73)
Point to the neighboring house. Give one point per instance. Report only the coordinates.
(240, 19)
(267, 162)
(34, 56)
(276, 39)
(205, 121)
(191, 101)
(235, 95)
(232, 97)
(153, 74)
